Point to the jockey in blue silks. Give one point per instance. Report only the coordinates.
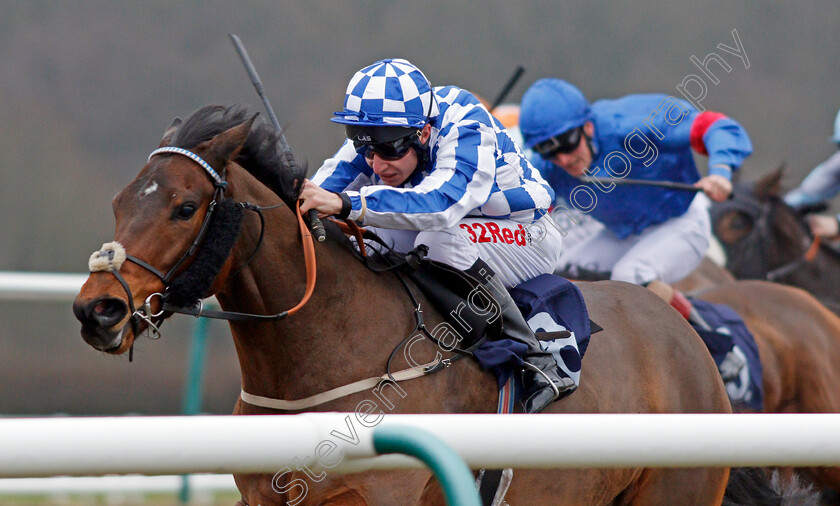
(641, 234)
(821, 184)
(431, 166)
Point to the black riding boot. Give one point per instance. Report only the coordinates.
(543, 380)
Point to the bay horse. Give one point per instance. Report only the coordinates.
(705, 275)
(764, 238)
(798, 335)
(798, 342)
(646, 360)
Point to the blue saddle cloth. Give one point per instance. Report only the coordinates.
(735, 352)
(549, 303)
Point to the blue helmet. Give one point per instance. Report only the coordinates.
(551, 107)
(391, 92)
(836, 137)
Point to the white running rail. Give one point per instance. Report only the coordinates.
(344, 441)
(40, 285)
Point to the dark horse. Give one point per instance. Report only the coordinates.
(764, 238)
(799, 342)
(646, 360)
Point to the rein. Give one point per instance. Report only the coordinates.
(112, 255)
(311, 276)
(809, 256)
(753, 243)
(352, 229)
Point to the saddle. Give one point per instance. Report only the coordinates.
(461, 299)
(451, 291)
(553, 307)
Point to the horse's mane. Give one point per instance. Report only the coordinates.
(262, 155)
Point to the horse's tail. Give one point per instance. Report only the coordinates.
(753, 486)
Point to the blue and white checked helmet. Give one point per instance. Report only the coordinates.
(391, 92)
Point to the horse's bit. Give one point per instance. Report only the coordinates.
(112, 256)
(761, 214)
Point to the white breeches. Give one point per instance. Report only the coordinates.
(516, 252)
(667, 252)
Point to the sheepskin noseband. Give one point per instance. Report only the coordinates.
(110, 257)
(195, 282)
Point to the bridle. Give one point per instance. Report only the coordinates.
(112, 255)
(743, 251)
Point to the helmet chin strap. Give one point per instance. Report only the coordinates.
(422, 151)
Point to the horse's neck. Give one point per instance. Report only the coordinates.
(344, 333)
(820, 275)
(823, 274)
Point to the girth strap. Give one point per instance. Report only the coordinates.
(335, 393)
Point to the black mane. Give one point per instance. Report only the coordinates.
(262, 154)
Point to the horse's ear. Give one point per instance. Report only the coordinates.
(226, 145)
(770, 185)
(170, 131)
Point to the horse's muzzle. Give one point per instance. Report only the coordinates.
(99, 318)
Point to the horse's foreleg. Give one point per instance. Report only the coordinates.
(676, 486)
(344, 498)
(432, 494)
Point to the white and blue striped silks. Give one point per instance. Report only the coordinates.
(474, 169)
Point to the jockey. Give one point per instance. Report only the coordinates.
(820, 185)
(431, 166)
(642, 234)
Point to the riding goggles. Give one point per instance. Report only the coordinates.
(390, 150)
(563, 143)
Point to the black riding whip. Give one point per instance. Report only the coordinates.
(641, 182)
(312, 216)
(504, 93)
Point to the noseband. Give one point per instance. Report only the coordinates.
(744, 250)
(112, 256)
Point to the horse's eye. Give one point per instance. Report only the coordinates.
(733, 227)
(741, 222)
(185, 211)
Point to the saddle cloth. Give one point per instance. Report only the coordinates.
(551, 305)
(734, 351)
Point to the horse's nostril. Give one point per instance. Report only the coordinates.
(105, 312)
(102, 307)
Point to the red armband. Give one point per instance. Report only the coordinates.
(698, 129)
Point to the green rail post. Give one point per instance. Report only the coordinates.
(454, 476)
(191, 404)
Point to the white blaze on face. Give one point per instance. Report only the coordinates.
(153, 186)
